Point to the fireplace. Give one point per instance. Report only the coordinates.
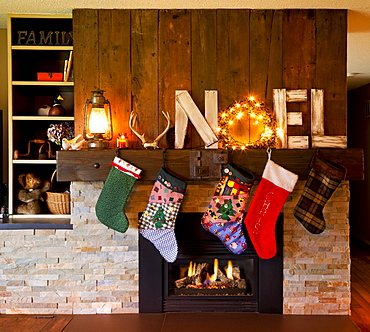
(255, 287)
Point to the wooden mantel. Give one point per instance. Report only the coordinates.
(89, 165)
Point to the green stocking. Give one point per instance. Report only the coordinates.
(115, 193)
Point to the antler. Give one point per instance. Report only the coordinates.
(131, 124)
(146, 145)
(167, 116)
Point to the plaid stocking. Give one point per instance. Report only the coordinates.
(223, 217)
(157, 222)
(322, 181)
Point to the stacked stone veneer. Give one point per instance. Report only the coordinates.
(92, 269)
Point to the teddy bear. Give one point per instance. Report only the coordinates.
(31, 193)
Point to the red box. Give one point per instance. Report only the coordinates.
(56, 77)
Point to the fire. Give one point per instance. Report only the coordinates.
(203, 276)
(213, 277)
(229, 270)
(191, 269)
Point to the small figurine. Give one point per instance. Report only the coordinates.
(72, 144)
(30, 195)
(43, 110)
(57, 109)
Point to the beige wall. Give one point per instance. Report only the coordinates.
(3, 93)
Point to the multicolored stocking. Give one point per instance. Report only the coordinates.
(270, 196)
(223, 217)
(110, 206)
(157, 222)
(323, 179)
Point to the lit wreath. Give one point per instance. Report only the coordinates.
(256, 111)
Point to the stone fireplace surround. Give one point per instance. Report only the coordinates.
(92, 269)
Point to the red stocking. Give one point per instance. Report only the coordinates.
(271, 194)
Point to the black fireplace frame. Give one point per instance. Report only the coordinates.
(152, 267)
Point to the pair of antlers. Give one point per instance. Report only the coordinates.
(146, 145)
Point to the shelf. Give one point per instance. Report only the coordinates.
(35, 161)
(57, 217)
(36, 222)
(43, 83)
(46, 49)
(43, 118)
(82, 165)
(43, 48)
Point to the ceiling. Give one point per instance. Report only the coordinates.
(358, 63)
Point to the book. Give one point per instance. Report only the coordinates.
(68, 67)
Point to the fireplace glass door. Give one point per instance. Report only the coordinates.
(206, 276)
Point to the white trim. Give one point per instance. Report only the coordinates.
(124, 165)
(279, 176)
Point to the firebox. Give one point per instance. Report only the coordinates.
(206, 277)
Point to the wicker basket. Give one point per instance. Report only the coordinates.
(57, 202)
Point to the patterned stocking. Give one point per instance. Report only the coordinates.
(157, 222)
(223, 217)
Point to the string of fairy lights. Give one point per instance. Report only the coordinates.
(258, 114)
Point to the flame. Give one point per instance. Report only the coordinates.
(229, 270)
(98, 123)
(191, 269)
(215, 270)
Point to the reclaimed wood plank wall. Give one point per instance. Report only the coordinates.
(140, 57)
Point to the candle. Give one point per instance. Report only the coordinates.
(122, 141)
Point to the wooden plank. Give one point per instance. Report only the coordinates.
(6, 321)
(174, 58)
(279, 101)
(325, 141)
(203, 61)
(57, 324)
(265, 53)
(331, 69)
(233, 67)
(259, 51)
(317, 112)
(144, 67)
(299, 69)
(211, 117)
(275, 77)
(298, 161)
(187, 104)
(298, 142)
(211, 113)
(25, 323)
(294, 119)
(296, 96)
(114, 64)
(181, 125)
(79, 165)
(85, 60)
